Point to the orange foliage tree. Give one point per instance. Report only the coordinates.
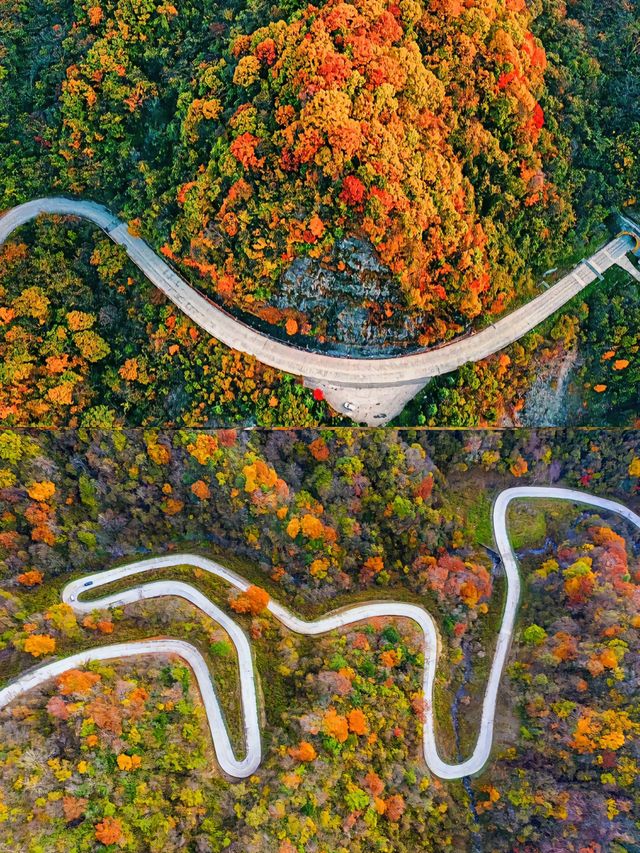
(303, 752)
(335, 725)
(253, 601)
(201, 490)
(77, 682)
(109, 830)
(30, 578)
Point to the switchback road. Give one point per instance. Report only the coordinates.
(241, 768)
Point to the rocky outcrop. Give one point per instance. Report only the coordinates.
(352, 301)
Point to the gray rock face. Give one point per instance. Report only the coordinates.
(344, 300)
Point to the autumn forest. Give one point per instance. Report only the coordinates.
(424, 164)
(319, 448)
(117, 753)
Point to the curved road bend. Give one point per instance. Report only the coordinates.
(371, 391)
(338, 619)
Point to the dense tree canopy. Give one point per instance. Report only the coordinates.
(119, 752)
(454, 138)
(389, 122)
(90, 342)
(573, 681)
(471, 146)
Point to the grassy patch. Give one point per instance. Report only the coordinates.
(527, 524)
(478, 526)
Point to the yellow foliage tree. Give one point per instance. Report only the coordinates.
(39, 644)
(41, 491)
(203, 447)
(311, 526)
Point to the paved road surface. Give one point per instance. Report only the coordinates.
(370, 391)
(338, 619)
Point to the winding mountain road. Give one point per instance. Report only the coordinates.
(241, 768)
(370, 391)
